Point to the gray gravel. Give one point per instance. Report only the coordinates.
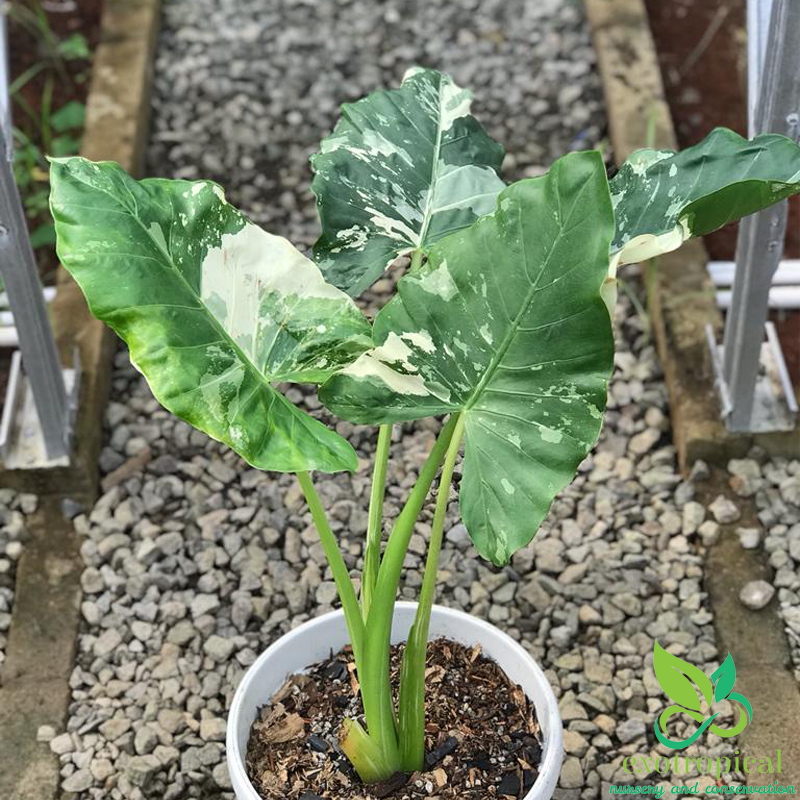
(246, 89)
(195, 563)
(757, 594)
(14, 508)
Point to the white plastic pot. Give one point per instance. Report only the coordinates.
(314, 641)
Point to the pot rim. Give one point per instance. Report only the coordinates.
(552, 745)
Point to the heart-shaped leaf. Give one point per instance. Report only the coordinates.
(506, 325)
(213, 308)
(723, 677)
(675, 677)
(662, 198)
(402, 169)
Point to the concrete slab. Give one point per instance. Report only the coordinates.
(758, 644)
(118, 108)
(40, 654)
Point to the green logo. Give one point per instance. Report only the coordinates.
(680, 680)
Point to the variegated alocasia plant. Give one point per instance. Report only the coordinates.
(500, 325)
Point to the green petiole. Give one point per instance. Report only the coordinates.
(364, 754)
(372, 555)
(411, 717)
(344, 586)
(376, 689)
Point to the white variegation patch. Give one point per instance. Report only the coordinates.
(642, 160)
(647, 245)
(250, 264)
(370, 366)
(394, 228)
(421, 340)
(395, 351)
(354, 238)
(157, 234)
(551, 435)
(448, 101)
(382, 363)
(455, 101)
(465, 186)
(609, 293)
(411, 72)
(378, 145)
(439, 282)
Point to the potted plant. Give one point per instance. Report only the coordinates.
(500, 326)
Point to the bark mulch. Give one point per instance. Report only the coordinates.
(482, 741)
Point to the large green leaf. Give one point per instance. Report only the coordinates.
(213, 308)
(402, 169)
(661, 198)
(505, 324)
(675, 677)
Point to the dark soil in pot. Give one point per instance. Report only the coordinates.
(483, 739)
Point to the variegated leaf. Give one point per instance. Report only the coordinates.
(213, 308)
(662, 198)
(506, 325)
(402, 169)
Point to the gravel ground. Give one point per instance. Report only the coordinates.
(14, 508)
(194, 563)
(245, 89)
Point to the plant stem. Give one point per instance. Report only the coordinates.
(363, 753)
(347, 594)
(416, 260)
(376, 691)
(412, 677)
(372, 556)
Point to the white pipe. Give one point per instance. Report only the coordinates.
(49, 292)
(780, 297)
(8, 337)
(787, 274)
(8, 333)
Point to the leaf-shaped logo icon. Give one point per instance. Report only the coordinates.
(724, 676)
(675, 677)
